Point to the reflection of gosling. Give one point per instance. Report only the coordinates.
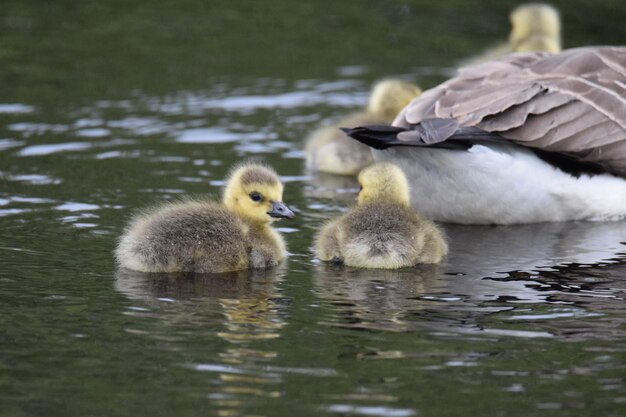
(382, 231)
(534, 27)
(204, 236)
(329, 150)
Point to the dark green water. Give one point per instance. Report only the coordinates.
(109, 106)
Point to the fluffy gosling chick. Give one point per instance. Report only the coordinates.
(329, 150)
(534, 27)
(205, 236)
(382, 231)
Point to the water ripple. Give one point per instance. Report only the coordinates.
(28, 128)
(370, 410)
(36, 179)
(16, 108)
(10, 143)
(93, 133)
(218, 135)
(37, 150)
(72, 206)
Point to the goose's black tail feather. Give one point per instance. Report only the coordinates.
(438, 133)
(377, 137)
(383, 137)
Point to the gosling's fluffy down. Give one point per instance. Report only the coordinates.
(329, 150)
(534, 27)
(205, 236)
(382, 231)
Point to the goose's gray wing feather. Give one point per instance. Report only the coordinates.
(573, 102)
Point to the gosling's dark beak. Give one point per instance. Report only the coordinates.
(280, 211)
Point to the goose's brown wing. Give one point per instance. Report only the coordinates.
(573, 103)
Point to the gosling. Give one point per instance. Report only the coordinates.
(329, 150)
(534, 27)
(382, 231)
(207, 237)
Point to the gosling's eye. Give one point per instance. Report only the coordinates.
(256, 196)
(360, 188)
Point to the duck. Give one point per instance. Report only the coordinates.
(534, 27)
(382, 231)
(329, 150)
(527, 138)
(204, 236)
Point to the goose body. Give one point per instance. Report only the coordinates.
(382, 231)
(531, 137)
(209, 237)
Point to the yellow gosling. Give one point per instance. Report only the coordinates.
(382, 231)
(329, 150)
(205, 236)
(534, 27)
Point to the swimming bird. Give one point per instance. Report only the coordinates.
(205, 236)
(530, 137)
(382, 231)
(534, 27)
(329, 150)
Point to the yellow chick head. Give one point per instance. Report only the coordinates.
(255, 193)
(383, 181)
(535, 27)
(390, 96)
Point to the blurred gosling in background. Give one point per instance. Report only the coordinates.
(205, 236)
(382, 231)
(329, 150)
(534, 27)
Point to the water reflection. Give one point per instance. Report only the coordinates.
(374, 298)
(531, 281)
(484, 251)
(189, 286)
(251, 311)
(335, 192)
(585, 301)
(478, 253)
(417, 299)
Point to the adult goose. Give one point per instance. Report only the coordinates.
(530, 137)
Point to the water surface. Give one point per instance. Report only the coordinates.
(107, 107)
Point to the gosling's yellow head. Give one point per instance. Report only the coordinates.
(255, 193)
(390, 96)
(383, 181)
(535, 27)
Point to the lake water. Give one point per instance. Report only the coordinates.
(109, 106)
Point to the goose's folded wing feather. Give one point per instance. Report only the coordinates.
(572, 103)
